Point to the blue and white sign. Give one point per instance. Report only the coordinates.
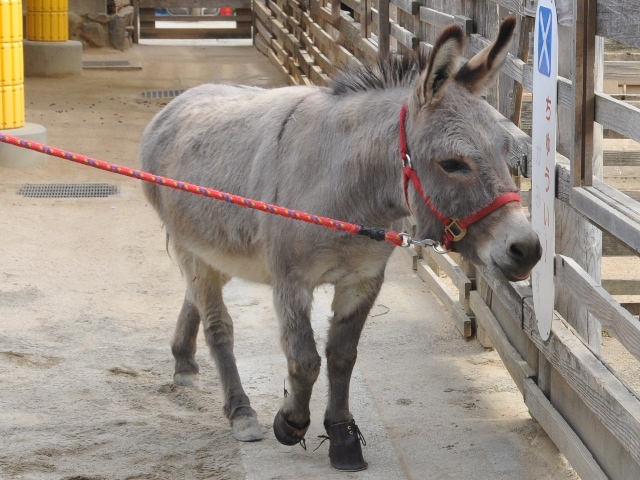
(545, 80)
(544, 39)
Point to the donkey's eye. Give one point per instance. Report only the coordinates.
(454, 166)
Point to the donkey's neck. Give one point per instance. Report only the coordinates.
(371, 168)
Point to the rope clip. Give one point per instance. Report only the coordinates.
(406, 161)
(427, 242)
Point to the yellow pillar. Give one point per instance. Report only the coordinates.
(48, 20)
(11, 65)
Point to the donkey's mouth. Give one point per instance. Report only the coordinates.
(520, 278)
(513, 277)
(510, 276)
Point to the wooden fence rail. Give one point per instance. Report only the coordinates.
(591, 414)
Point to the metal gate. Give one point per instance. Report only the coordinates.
(191, 19)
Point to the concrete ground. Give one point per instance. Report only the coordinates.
(89, 297)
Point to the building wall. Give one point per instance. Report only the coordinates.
(88, 6)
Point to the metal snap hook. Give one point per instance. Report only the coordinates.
(440, 249)
(406, 161)
(427, 242)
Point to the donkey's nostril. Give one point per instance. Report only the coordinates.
(525, 251)
(516, 251)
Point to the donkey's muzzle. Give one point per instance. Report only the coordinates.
(524, 253)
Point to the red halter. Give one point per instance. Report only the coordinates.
(454, 229)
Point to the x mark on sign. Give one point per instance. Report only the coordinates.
(545, 51)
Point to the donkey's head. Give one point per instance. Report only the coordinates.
(458, 152)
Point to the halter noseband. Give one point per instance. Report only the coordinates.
(454, 229)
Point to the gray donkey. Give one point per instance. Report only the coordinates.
(342, 152)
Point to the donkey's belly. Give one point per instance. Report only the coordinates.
(251, 268)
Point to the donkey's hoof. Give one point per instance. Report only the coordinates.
(187, 379)
(345, 452)
(247, 429)
(288, 433)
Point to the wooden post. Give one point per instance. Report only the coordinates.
(136, 31)
(335, 11)
(383, 27)
(243, 12)
(145, 24)
(575, 237)
(365, 18)
(598, 134)
(584, 97)
(522, 52)
(487, 22)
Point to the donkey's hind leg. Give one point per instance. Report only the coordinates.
(204, 290)
(183, 346)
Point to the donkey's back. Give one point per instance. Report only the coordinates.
(228, 138)
(219, 134)
(291, 146)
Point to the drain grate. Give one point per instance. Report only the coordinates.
(162, 93)
(69, 190)
(111, 64)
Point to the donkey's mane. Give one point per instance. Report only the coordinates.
(389, 71)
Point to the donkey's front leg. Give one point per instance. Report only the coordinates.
(293, 306)
(351, 305)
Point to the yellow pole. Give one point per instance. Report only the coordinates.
(11, 65)
(48, 20)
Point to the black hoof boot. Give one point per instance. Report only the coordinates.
(288, 433)
(345, 452)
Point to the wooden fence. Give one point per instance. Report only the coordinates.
(583, 403)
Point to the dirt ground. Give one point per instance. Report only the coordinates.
(89, 297)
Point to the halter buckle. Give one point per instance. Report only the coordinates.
(406, 161)
(455, 230)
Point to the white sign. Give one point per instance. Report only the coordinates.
(545, 79)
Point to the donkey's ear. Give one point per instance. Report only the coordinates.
(443, 64)
(480, 71)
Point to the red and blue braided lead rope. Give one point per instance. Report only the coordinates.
(395, 238)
